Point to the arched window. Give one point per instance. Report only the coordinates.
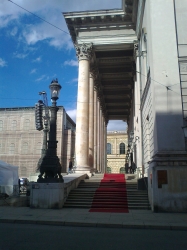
(1, 125)
(12, 149)
(13, 125)
(38, 148)
(122, 148)
(25, 148)
(109, 149)
(27, 124)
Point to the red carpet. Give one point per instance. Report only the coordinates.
(111, 196)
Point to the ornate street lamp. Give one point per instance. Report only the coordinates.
(50, 166)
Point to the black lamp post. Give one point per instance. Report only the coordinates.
(50, 166)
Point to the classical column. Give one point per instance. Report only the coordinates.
(95, 129)
(98, 135)
(91, 122)
(83, 52)
(102, 151)
(105, 145)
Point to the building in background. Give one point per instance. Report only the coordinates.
(117, 146)
(21, 143)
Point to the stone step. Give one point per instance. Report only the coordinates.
(90, 192)
(136, 199)
(139, 207)
(83, 195)
(106, 203)
(108, 194)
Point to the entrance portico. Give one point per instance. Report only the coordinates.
(138, 69)
(105, 81)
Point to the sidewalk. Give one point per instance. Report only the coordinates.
(142, 219)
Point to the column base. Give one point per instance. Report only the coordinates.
(167, 182)
(84, 170)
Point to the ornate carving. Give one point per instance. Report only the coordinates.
(84, 51)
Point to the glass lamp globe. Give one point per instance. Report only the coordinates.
(55, 89)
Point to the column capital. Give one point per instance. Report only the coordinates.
(84, 51)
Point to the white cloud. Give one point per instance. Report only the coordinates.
(72, 114)
(116, 126)
(2, 63)
(44, 32)
(38, 59)
(51, 11)
(20, 55)
(33, 71)
(14, 31)
(41, 78)
(71, 63)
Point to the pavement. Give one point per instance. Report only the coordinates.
(141, 219)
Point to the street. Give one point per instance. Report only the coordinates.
(35, 237)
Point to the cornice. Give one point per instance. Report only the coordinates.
(95, 13)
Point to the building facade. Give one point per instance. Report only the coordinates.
(21, 143)
(133, 67)
(117, 146)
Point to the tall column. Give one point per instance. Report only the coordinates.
(82, 122)
(102, 144)
(98, 135)
(95, 129)
(105, 146)
(91, 122)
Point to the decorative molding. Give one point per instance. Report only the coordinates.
(141, 6)
(84, 51)
(146, 89)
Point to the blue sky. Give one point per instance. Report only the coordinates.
(32, 52)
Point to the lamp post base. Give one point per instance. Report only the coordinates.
(50, 170)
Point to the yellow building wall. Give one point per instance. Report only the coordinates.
(115, 160)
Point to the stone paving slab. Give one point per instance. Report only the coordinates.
(82, 217)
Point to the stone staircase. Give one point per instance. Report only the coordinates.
(82, 196)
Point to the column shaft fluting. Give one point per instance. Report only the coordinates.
(100, 139)
(102, 156)
(95, 129)
(98, 135)
(82, 121)
(91, 122)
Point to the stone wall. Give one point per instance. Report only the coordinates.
(21, 143)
